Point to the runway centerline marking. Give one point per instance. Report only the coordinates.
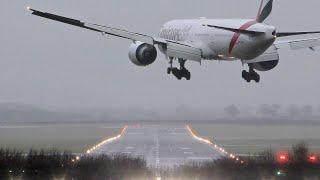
(157, 156)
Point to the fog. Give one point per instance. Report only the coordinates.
(56, 66)
(262, 113)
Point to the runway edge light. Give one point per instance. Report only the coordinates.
(193, 134)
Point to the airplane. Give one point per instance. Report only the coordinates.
(250, 41)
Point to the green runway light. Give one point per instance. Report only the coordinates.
(280, 173)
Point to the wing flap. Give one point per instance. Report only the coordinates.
(122, 33)
(183, 51)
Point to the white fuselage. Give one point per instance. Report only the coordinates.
(221, 44)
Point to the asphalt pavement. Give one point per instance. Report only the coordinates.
(161, 146)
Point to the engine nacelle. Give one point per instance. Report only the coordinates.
(142, 54)
(265, 66)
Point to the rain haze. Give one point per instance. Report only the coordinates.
(73, 90)
(49, 64)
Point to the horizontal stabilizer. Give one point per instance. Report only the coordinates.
(242, 31)
(285, 34)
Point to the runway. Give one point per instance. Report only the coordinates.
(160, 146)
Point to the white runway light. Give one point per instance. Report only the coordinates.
(108, 140)
(211, 144)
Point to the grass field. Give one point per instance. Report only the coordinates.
(247, 138)
(240, 138)
(71, 137)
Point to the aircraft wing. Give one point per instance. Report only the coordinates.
(237, 30)
(174, 48)
(299, 44)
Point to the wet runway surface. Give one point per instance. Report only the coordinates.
(160, 146)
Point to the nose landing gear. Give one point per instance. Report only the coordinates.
(179, 73)
(251, 75)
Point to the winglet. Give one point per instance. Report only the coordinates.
(265, 10)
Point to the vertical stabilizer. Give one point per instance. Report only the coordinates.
(264, 10)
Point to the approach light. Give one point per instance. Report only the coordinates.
(282, 157)
(312, 158)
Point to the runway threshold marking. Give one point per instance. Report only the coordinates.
(218, 148)
(108, 140)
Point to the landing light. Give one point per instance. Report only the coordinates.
(28, 7)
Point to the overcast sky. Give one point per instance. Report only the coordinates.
(49, 64)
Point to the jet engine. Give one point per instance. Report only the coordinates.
(142, 54)
(265, 65)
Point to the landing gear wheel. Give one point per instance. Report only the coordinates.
(180, 73)
(177, 73)
(256, 77)
(185, 73)
(246, 76)
(188, 77)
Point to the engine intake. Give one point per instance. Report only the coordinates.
(265, 66)
(142, 54)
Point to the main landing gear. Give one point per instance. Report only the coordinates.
(179, 73)
(251, 75)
